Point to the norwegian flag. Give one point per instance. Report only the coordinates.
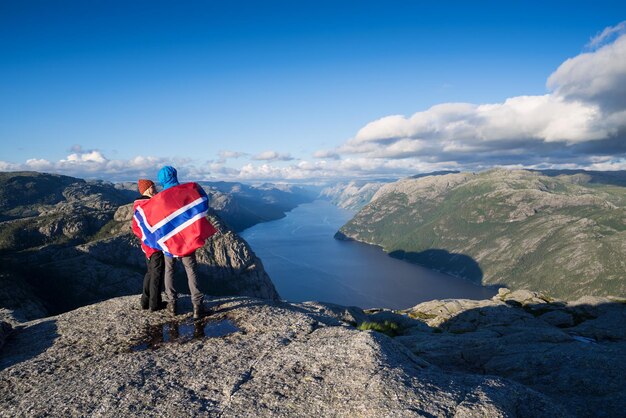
(174, 220)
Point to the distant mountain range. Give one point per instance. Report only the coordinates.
(354, 195)
(38, 208)
(563, 233)
(242, 206)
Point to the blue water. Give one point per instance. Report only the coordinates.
(306, 263)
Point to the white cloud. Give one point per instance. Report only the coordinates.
(272, 156)
(94, 164)
(7, 166)
(326, 154)
(608, 34)
(38, 164)
(609, 165)
(227, 155)
(579, 123)
(597, 77)
(583, 115)
(334, 169)
(544, 118)
(85, 157)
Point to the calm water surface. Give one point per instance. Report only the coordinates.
(305, 263)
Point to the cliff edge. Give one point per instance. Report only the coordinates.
(517, 355)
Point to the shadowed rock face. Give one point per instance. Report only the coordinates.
(5, 331)
(573, 352)
(281, 360)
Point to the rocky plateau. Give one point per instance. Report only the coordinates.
(518, 355)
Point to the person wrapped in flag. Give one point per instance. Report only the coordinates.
(153, 279)
(174, 221)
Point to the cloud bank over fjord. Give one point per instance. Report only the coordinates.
(228, 155)
(273, 156)
(93, 164)
(580, 122)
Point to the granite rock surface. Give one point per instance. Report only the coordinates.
(249, 357)
(574, 352)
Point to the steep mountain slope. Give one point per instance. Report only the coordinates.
(38, 209)
(66, 243)
(516, 228)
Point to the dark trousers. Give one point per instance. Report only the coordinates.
(153, 281)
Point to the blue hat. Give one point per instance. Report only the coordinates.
(167, 177)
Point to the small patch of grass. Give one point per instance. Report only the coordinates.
(421, 315)
(388, 328)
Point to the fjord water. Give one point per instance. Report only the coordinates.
(306, 263)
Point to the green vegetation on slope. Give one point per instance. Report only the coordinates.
(389, 328)
(516, 228)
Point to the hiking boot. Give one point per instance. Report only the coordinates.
(171, 308)
(198, 311)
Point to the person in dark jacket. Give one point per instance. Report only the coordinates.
(153, 279)
(168, 177)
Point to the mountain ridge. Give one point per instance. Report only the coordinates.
(514, 228)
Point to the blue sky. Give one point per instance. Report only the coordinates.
(116, 89)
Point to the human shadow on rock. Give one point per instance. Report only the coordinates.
(455, 264)
(27, 342)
